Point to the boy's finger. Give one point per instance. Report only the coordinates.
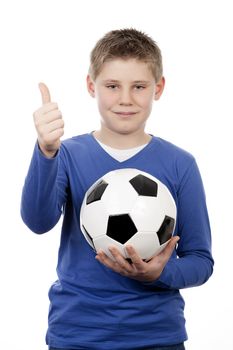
(170, 246)
(45, 94)
(135, 258)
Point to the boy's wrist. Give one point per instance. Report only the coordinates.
(47, 153)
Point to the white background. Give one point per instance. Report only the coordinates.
(50, 41)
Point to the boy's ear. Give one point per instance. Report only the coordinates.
(159, 88)
(90, 86)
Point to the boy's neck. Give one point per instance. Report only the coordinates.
(122, 141)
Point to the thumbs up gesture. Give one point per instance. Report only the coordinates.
(49, 124)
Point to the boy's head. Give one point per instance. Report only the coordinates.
(126, 44)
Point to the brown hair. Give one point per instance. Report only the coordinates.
(125, 44)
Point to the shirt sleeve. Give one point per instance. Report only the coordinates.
(44, 192)
(192, 262)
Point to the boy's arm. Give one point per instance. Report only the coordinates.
(192, 263)
(43, 193)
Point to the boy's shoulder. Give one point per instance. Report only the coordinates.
(77, 141)
(79, 146)
(172, 150)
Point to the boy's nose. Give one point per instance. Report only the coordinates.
(125, 98)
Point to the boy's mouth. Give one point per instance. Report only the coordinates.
(125, 113)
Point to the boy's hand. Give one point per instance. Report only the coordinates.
(138, 269)
(49, 124)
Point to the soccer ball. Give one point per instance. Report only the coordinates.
(128, 206)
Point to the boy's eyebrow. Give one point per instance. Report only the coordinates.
(111, 81)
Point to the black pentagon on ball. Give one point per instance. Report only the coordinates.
(165, 231)
(144, 186)
(121, 228)
(97, 192)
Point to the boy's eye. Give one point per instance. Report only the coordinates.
(111, 86)
(139, 87)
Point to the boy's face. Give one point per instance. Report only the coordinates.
(125, 91)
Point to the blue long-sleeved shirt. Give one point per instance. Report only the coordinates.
(91, 306)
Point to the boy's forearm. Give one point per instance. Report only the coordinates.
(189, 271)
(39, 209)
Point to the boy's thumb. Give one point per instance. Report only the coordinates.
(45, 94)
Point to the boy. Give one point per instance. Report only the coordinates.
(98, 303)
